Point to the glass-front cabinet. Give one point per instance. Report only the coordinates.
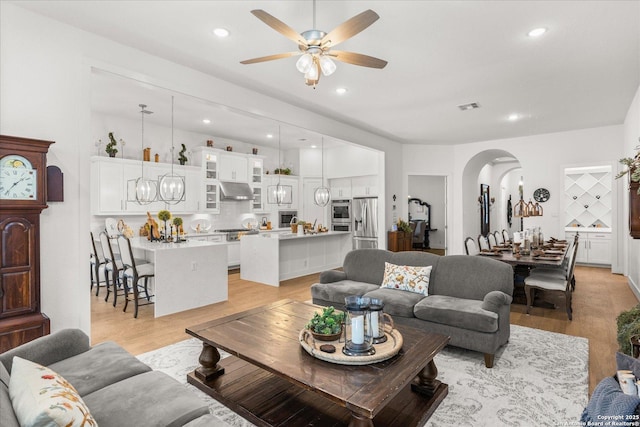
(256, 183)
(208, 159)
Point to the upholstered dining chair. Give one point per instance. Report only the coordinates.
(499, 237)
(483, 243)
(113, 266)
(552, 283)
(492, 240)
(561, 271)
(505, 236)
(96, 264)
(470, 246)
(131, 276)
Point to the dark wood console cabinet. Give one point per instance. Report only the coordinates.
(23, 172)
(634, 210)
(399, 241)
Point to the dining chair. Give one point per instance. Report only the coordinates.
(113, 266)
(470, 246)
(561, 271)
(492, 240)
(553, 284)
(499, 238)
(132, 274)
(505, 236)
(483, 243)
(97, 265)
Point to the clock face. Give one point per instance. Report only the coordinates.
(541, 195)
(18, 179)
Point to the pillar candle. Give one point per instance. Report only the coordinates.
(357, 330)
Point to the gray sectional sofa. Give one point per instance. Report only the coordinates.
(469, 296)
(118, 389)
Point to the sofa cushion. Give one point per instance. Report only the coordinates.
(152, 399)
(106, 363)
(458, 312)
(7, 416)
(366, 265)
(396, 302)
(406, 278)
(338, 290)
(41, 397)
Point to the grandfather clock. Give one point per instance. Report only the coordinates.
(23, 174)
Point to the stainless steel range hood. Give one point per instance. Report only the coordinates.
(235, 191)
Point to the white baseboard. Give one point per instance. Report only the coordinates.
(634, 288)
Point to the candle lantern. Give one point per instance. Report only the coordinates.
(377, 320)
(358, 338)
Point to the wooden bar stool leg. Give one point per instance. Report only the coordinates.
(106, 282)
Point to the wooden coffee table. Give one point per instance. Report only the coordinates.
(271, 381)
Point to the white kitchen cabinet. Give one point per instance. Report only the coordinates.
(192, 182)
(211, 196)
(593, 247)
(340, 188)
(257, 185)
(233, 253)
(364, 186)
(233, 167)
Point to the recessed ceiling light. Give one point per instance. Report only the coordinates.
(221, 32)
(314, 146)
(206, 121)
(341, 90)
(269, 136)
(537, 32)
(513, 117)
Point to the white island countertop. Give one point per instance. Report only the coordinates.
(272, 257)
(144, 244)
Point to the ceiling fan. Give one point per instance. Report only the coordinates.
(315, 46)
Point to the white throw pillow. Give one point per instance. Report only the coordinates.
(406, 278)
(41, 397)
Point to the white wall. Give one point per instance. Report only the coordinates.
(45, 87)
(631, 142)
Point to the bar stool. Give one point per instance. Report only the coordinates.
(113, 267)
(97, 265)
(131, 275)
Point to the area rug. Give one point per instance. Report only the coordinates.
(539, 378)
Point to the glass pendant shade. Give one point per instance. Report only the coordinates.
(520, 209)
(327, 65)
(279, 194)
(313, 72)
(531, 210)
(538, 209)
(304, 63)
(322, 196)
(146, 191)
(171, 188)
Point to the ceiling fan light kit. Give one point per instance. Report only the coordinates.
(315, 45)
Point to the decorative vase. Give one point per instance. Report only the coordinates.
(182, 162)
(112, 154)
(326, 337)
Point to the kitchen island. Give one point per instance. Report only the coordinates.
(188, 275)
(271, 257)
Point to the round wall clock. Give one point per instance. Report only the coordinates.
(18, 179)
(541, 195)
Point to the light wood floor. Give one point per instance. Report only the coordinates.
(598, 299)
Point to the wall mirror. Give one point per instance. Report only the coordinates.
(485, 206)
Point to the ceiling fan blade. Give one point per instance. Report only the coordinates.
(357, 59)
(350, 28)
(279, 26)
(270, 57)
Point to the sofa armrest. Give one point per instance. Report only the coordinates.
(331, 276)
(49, 348)
(494, 300)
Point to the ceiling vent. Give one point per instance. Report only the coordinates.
(470, 106)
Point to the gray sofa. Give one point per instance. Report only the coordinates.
(118, 389)
(469, 296)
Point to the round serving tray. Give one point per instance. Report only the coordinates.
(384, 351)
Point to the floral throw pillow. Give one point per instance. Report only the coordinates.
(406, 278)
(41, 397)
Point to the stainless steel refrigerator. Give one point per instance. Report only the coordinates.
(365, 222)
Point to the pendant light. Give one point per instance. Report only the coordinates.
(172, 186)
(145, 190)
(322, 195)
(279, 194)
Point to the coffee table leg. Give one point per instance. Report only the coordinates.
(427, 383)
(360, 421)
(209, 358)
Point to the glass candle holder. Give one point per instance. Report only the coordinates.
(377, 317)
(358, 338)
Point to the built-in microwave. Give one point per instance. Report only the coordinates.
(340, 227)
(341, 211)
(285, 217)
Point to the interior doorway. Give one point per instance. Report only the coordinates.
(431, 190)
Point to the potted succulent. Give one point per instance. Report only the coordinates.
(326, 326)
(181, 157)
(111, 146)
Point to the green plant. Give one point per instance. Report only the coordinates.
(404, 226)
(633, 167)
(164, 215)
(111, 146)
(628, 323)
(177, 221)
(181, 157)
(282, 171)
(329, 322)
